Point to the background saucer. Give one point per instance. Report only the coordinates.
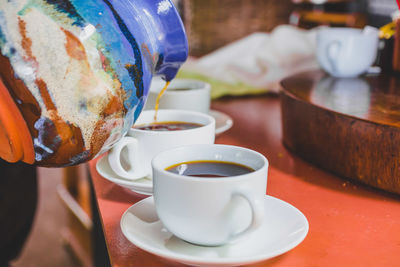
(284, 228)
(142, 186)
(222, 121)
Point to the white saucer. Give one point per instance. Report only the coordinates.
(142, 186)
(222, 121)
(284, 228)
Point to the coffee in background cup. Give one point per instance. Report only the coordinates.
(168, 126)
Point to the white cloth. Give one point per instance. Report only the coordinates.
(260, 60)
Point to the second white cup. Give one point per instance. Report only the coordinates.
(131, 157)
(185, 94)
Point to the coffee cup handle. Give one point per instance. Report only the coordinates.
(115, 160)
(332, 52)
(257, 209)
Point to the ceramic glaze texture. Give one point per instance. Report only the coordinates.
(79, 71)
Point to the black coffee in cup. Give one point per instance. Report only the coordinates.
(168, 126)
(209, 169)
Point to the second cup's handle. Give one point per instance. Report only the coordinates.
(257, 209)
(332, 52)
(132, 170)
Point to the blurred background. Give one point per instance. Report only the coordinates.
(212, 24)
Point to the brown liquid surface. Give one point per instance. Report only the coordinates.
(168, 126)
(209, 169)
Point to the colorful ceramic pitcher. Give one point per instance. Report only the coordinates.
(75, 74)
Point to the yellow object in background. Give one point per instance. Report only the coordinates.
(387, 31)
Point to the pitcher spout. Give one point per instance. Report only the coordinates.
(172, 42)
(168, 69)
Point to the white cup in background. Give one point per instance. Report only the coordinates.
(347, 52)
(210, 211)
(182, 94)
(131, 157)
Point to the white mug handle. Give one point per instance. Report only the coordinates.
(257, 210)
(132, 170)
(333, 52)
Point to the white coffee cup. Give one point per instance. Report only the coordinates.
(347, 52)
(182, 94)
(210, 211)
(131, 157)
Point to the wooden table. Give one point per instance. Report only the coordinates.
(350, 224)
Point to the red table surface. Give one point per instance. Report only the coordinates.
(350, 224)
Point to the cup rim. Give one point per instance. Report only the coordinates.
(346, 29)
(211, 121)
(156, 165)
(204, 87)
(343, 32)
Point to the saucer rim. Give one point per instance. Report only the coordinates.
(140, 192)
(121, 181)
(228, 122)
(174, 256)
